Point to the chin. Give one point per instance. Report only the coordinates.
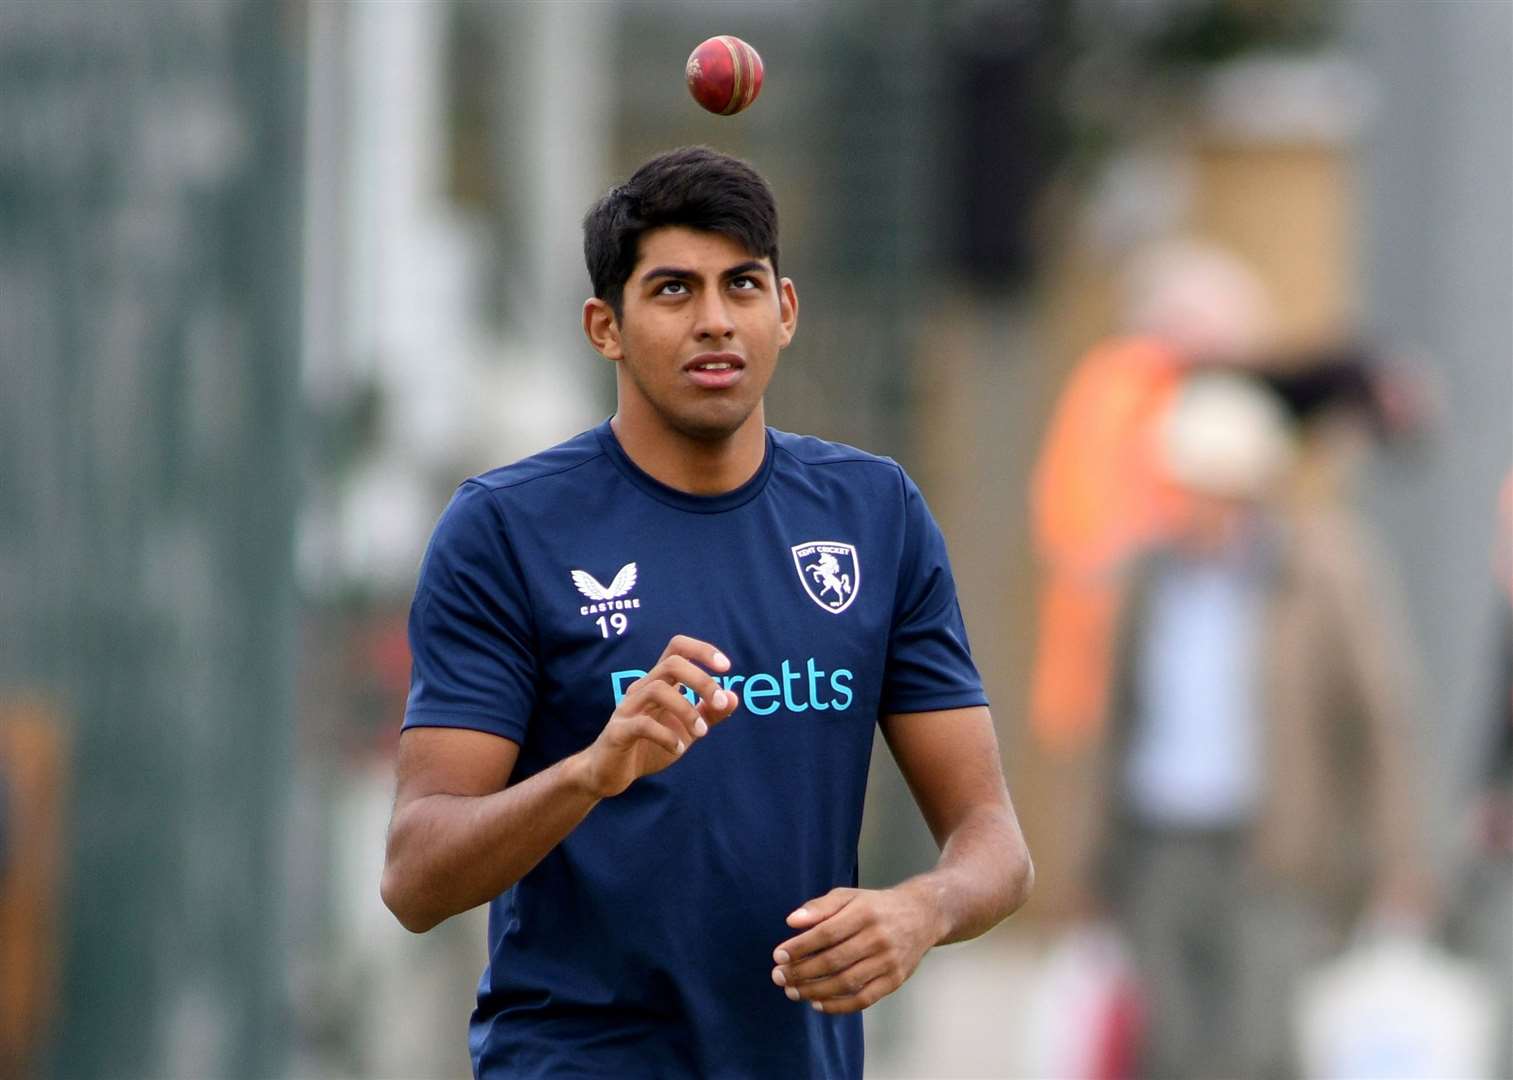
(711, 425)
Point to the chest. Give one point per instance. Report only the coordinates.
(800, 598)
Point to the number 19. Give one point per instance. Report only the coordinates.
(617, 620)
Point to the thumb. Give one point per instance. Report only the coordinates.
(821, 908)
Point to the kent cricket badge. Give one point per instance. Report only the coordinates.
(830, 571)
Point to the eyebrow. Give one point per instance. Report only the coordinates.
(682, 274)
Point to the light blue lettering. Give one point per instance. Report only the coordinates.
(621, 681)
(754, 693)
(815, 675)
(841, 688)
(789, 678)
(765, 693)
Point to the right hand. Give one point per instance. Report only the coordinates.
(654, 724)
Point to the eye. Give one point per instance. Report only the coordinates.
(671, 288)
(744, 282)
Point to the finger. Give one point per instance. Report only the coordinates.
(843, 984)
(644, 727)
(719, 707)
(668, 705)
(826, 935)
(868, 995)
(834, 926)
(701, 652)
(821, 907)
(827, 962)
(714, 704)
(661, 704)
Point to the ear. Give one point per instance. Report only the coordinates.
(602, 328)
(788, 311)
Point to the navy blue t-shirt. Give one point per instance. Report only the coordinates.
(642, 944)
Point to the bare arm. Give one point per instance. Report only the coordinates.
(950, 760)
(855, 946)
(461, 834)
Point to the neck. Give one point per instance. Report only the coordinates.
(692, 465)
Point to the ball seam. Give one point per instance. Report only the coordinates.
(735, 104)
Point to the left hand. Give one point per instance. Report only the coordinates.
(856, 947)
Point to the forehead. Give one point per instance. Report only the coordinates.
(693, 249)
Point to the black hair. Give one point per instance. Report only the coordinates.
(692, 186)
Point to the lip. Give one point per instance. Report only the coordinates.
(715, 380)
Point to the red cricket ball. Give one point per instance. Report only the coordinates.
(724, 74)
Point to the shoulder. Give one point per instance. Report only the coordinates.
(557, 461)
(483, 503)
(821, 458)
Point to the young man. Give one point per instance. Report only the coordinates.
(648, 663)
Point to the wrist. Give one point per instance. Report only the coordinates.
(581, 777)
(928, 896)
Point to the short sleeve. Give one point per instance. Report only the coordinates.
(930, 663)
(473, 660)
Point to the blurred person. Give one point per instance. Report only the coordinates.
(657, 783)
(1495, 816)
(1483, 924)
(1249, 718)
(1098, 492)
(1347, 399)
(1345, 402)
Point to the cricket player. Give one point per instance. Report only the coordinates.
(648, 666)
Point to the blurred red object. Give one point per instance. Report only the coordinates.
(388, 650)
(1086, 1015)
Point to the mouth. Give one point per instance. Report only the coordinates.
(715, 371)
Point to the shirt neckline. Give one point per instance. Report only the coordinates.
(684, 500)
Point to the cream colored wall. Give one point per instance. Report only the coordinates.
(1289, 210)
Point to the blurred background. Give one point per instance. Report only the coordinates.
(275, 277)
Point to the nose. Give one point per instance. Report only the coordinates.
(714, 321)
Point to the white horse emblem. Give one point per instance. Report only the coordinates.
(830, 572)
